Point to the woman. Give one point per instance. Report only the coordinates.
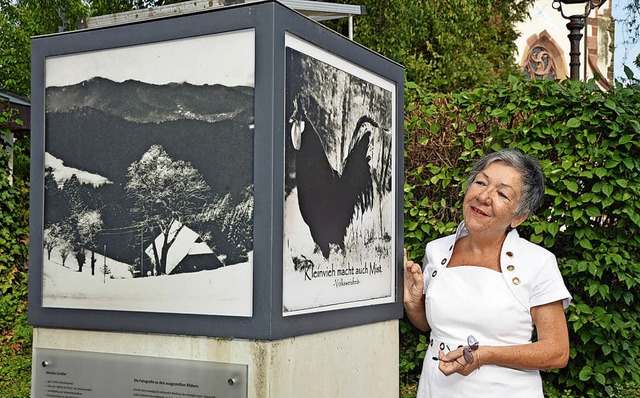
(484, 290)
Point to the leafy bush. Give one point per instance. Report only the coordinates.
(588, 142)
(15, 334)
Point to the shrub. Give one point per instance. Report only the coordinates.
(588, 142)
(15, 334)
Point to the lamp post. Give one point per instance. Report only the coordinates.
(576, 11)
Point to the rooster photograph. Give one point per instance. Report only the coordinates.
(338, 210)
(324, 194)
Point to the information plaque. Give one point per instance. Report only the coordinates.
(76, 374)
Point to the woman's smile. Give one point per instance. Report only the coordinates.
(478, 211)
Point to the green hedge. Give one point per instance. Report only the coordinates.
(15, 334)
(588, 142)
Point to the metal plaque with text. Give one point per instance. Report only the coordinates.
(79, 374)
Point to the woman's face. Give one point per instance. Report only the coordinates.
(492, 199)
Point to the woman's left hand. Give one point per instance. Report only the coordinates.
(454, 362)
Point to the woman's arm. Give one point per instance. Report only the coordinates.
(413, 294)
(550, 351)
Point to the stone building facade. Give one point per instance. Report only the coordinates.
(543, 46)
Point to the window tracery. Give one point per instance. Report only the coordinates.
(539, 64)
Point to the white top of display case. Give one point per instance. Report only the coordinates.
(316, 10)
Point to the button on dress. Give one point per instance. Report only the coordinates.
(469, 300)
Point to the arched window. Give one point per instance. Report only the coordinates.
(539, 64)
(543, 58)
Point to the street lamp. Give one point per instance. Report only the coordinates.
(575, 11)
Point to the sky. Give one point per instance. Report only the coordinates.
(225, 58)
(630, 51)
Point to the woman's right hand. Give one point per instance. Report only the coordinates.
(413, 282)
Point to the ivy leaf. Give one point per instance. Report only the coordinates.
(572, 186)
(586, 244)
(411, 225)
(577, 213)
(585, 373)
(610, 104)
(625, 139)
(553, 228)
(592, 211)
(628, 72)
(573, 123)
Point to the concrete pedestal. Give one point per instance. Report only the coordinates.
(353, 362)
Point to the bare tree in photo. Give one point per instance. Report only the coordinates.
(89, 224)
(53, 237)
(74, 206)
(80, 222)
(166, 191)
(65, 249)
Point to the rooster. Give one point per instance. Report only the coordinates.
(328, 200)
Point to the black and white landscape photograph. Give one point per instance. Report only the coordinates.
(339, 183)
(149, 177)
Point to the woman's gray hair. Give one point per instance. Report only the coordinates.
(530, 170)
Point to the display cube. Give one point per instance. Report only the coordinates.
(229, 173)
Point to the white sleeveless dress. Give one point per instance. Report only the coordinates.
(469, 300)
